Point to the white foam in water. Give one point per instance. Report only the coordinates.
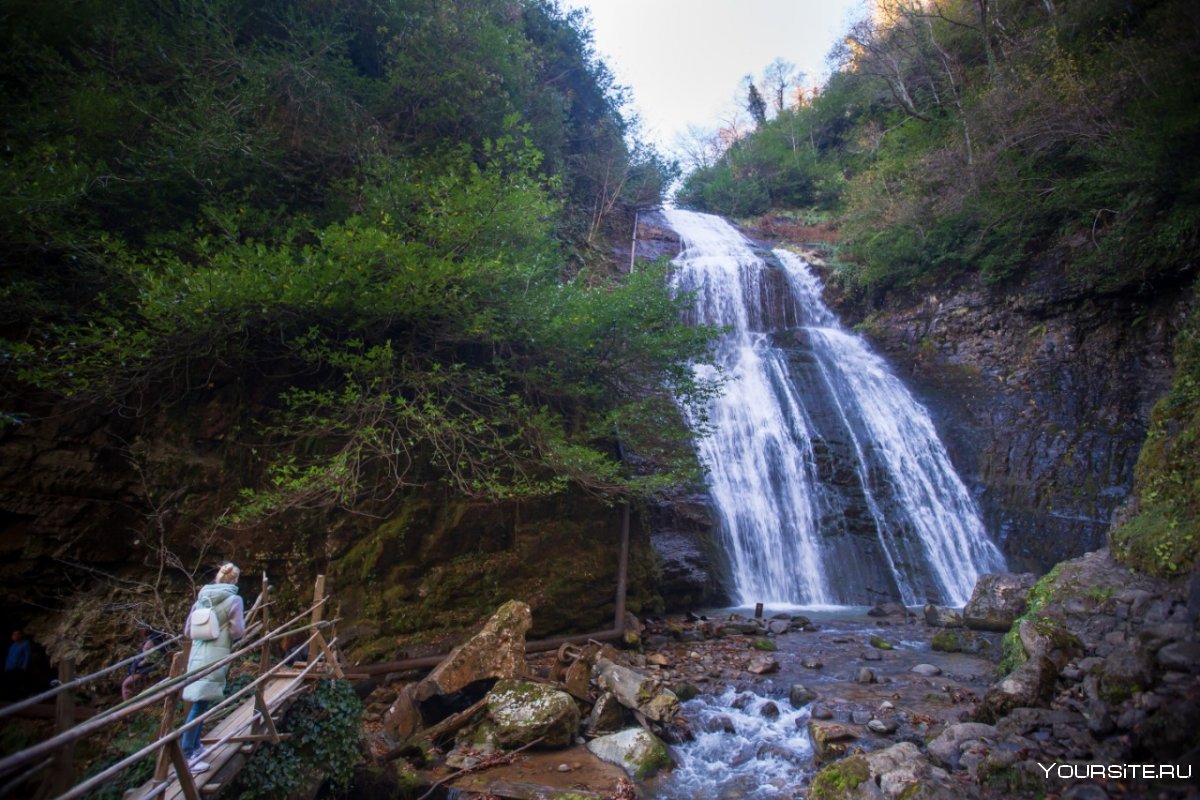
(764, 759)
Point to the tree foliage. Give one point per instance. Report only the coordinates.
(370, 207)
(1000, 137)
(976, 135)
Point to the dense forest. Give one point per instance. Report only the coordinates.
(999, 141)
(389, 223)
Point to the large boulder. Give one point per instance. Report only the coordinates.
(524, 712)
(899, 771)
(946, 748)
(497, 651)
(608, 716)
(999, 598)
(636, 690)
(639, 752)
(1029, 685)
(403, 718)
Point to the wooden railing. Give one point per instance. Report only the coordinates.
(18, 770)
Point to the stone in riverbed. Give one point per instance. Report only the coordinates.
(763, 665)
(720, 724)
(946, 642)
(998, 599)
(640, 753)
(927, 670)
(636, 690)
(939, 617)
(830, 739)
(947, 746)
(882, 726)
(608, 716)
(800, 695)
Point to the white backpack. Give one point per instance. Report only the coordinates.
(203, 622)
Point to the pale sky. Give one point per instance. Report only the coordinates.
(683, 59)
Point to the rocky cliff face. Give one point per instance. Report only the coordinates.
(106, 522)
(1042, 394)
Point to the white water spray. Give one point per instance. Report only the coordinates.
(829, 478)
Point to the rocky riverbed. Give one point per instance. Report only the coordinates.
(899, 703)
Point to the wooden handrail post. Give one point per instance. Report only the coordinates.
(265, 658)
(187, 784)
(314, 649)
(62, 765)
(178, 663)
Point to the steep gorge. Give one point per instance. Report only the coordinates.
(1042, 393)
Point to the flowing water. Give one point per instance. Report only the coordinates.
(741, 749)
(830, 481)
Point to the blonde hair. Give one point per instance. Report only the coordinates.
(228, 573)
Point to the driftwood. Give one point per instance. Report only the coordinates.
(451, 724)
(491, 761)
(532, 791)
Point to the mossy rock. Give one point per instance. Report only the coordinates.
(881, 643)
(640, 753)
(838, 781)
(764, 644)
(524, 712)
(946, 642)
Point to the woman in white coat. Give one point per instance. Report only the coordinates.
(222, 597)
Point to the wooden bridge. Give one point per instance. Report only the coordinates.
(240, 722)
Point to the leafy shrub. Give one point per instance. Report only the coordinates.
(1163, 537)
(324, 728)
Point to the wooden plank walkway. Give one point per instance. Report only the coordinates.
(278, 693)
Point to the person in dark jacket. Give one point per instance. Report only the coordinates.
(16, 667)
(141, 670)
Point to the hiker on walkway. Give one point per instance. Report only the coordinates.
(222, 597)
(16, 667)
(143, 668)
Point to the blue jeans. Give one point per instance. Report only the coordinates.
(190, 742)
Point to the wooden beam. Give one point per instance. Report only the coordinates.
(62, 771)
(317, 615)
(167, 723)
(330, 658)
(264, 715)
(182, 774)
(261, 737)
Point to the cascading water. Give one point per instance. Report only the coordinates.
(829, 478)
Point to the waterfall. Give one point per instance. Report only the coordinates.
(829, 479)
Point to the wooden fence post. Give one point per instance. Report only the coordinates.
(62, 765)
(314, 649)
(178, 665)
